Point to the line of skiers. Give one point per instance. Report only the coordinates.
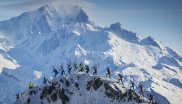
(81, 68)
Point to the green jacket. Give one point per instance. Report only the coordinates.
(31, 85)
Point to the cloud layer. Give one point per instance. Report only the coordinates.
(33, 4)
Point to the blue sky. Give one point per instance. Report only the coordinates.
(161, 19)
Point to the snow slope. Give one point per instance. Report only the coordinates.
(33, 42)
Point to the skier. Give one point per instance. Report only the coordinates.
(17, 96)
(132, 84)
(45, 80)
(75, 66)
(62, 70)
(120, 78)
(30, 85)
(151, 98)
(87, 69)
(108, 72)
(81, 67)
(95, 70)
(55, 72)
(141, 92)
(69, 67)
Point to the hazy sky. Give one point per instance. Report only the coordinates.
(161, 19)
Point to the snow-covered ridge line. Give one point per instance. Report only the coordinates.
(81, 88)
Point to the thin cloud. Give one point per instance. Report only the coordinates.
(33, 4)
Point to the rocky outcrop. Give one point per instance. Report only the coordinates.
(66, 89)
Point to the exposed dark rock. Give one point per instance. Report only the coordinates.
(44, 92)
(54, 97)
(28, 100)
(77, 86)
(96, 84)
(50, 89)
(63, 97)
(61, 80)
(41, 96)
(32, 92)
(48, 100)
(54, 83)
(115, 93)
(89, 84)
(132, 95)
(67, 83)
(110, 91)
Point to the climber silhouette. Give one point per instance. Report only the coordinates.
(132, 84)
(55, 72)
(120, 78)
(95, 70)
(108, 72)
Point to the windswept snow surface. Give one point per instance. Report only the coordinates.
(33, 42)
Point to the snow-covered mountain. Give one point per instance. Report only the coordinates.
(33, 42)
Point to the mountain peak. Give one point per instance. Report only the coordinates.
(69, 14)
(74, 13)
(151, 41)
(64, 14)
(82, 16)
(115, 26)
(46, 10)
(45, 7)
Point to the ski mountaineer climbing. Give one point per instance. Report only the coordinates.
(151, 98)
(17, 96)
(141, 92)
(30, 85)
(75, 66)
(132, 84)
(95, 70)
(120, 78)
(62, 70)
(45, 80)
(69, 67)
(108, 72)
(87, 69)
(81, 67)
(55, 72)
